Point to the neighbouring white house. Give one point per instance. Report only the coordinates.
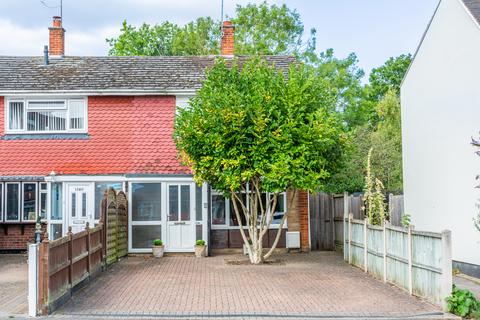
(440, 115)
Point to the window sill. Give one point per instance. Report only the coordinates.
(47, 136)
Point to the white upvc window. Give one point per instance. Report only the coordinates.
(223, 214)
(46, 116)
(23, 201)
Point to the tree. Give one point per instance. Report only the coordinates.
(260, 29)
(267, 30)
(386, 159)
(344, 78)
(388, 77)
(253, 133)
(200, 37)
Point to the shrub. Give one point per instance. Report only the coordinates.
(463, 303)
(200, 242)
(157, 242)
(406, 220)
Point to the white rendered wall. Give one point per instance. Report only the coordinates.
(440, 114)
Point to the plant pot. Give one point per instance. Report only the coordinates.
(158, 251)
(200, 251)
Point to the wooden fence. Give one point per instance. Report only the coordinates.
(419, 262)
(66, 263)
(114, 212)
(327, 212)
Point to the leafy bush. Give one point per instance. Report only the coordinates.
(463, 303)
(157, 242)
(200, 242)
(406, 220)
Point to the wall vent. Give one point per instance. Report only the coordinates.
(293, 239)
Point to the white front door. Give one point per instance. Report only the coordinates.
(80, 205)
(180, 217)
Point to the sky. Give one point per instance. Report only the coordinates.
(374, 29)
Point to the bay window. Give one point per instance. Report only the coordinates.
(46, 116)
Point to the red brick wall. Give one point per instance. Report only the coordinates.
(298, 217)
(17, 236)
(125, 135)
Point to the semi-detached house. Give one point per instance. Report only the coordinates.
(71, 127)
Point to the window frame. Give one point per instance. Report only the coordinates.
(22, 200)
(26, 102)
(229, 211)
(20, 205)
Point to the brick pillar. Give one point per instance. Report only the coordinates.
(298, 217)
(228, 35)
(57, 38)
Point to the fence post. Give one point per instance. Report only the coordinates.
(87, 228)
(447, 280)
(385, 251)
(43, 276)
(365, 245)
(350, 218)
(345, 216)
(70, 256)
(410, 263)
(32, 279)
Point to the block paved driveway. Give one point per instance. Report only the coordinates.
(317, 284)
(13, 285)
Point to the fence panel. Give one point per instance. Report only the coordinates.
(357, 243)
(375, 251)
(112, 226)
(397, 257)
(122, 231)
(66, 263)
(426, 264)
(416, 261)
(395, 209)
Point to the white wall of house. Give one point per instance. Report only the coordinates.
(440, 114)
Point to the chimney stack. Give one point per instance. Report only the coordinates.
(228, 35)
(57, 38)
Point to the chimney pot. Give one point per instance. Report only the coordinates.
(57, 38)
(228, 39)
(57, 22)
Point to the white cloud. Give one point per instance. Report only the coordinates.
(25, 41)
(18, 40)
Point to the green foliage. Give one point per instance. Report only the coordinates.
(373, 197)
(344, 79)
(406, 220)
(463, 303)
(157, 242)
(266, 30)
(200, 37)
(259, 29)
(254, 123)
(200, 242)
(388, 77)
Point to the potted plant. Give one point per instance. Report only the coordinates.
(200, 249)
(158, 248)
